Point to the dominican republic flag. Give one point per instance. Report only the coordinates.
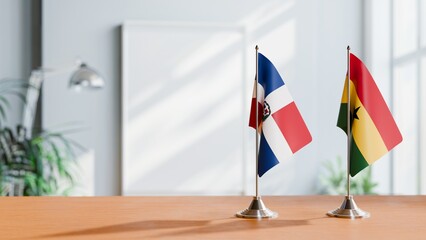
(282, 129)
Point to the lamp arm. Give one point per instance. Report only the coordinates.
(47, 72)
(31, 100)
(33, 93)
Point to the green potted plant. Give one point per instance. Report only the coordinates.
(333, 180)
(37, 165)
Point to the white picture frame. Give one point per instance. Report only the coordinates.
(172, 145)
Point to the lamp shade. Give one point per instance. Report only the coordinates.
(86, 77)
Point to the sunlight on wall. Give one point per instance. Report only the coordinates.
(265, 13)
(200, 56)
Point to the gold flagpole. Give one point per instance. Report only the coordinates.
(257, 123)
(257, 208)
(348, 209)
(349, 132)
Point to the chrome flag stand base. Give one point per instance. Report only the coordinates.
(349, 209)
(257, 209)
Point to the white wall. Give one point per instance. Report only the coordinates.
(394, 55)
(377, 57)
(15, 47)
(305, 39)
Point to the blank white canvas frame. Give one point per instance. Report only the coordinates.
(196, 73)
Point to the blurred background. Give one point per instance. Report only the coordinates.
(172, 117)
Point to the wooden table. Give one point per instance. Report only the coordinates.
(301, 217)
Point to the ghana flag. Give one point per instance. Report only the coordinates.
(374, 131)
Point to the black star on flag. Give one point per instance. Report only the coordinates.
(355, 115)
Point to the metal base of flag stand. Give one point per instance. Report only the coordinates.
(349, 209)
(257, 209)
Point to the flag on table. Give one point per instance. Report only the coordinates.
(281, 127)
(374, 131)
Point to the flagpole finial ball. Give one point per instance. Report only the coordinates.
(349, 48)
(257, 47)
